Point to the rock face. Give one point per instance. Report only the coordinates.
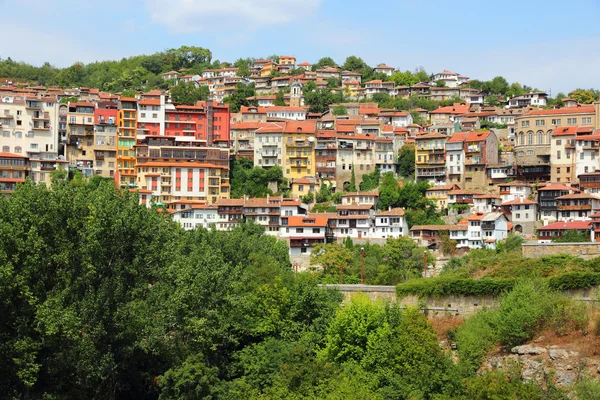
(538, 363)
(527, 349)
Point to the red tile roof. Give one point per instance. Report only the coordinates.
(353, 194)
(567, 110)
(394, 211)
(383, 66)
(477, 136)
(518, 201)
(11, 155)
(557, 187)
(458, 137)
(455, 109)
(302, 221)
(565, 131)
(566, 225)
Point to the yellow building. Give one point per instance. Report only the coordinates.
(351, 88)
(430, 160)
(126, 134)
(287, 60)
(299, 149)
(80, 137)
(267, 68)
(303, 186)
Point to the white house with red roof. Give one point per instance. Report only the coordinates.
(522, 213)
(556, 230)
(451, 79)
(485, 229)
(305, 231)
(197, 215)
(514, 190)
(390, 224)
(577, 206)
(384, 69)
(287, 112)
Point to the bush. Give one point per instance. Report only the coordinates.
(454, 286)
(574, 280)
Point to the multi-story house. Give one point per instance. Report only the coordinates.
(301, 187)
(460, 234)
(287, 60)
(562, 154)
(385, 160)
(328, 72)
(80, 137)
(251, 114)
(450, 79)
(242, 138)
(326, 150)
(231, 213)
(444, 115)
(587, 148)
(533, 134)
(396, 118)
(460, 197)
(430, 161)
(486, 229)
(548, 205)
(577, 206)
(486, 202)
(444, 93)
(377, 86)
(349, 76)
(197, 216)
(481, 149)
(305, 231)
(514, 190)
(126, 140)
(176, 169)
(361, 198)
(556, 230)
(14, 168)
(439, 194)
(355, 221)
(522, 213)
(384, 69)
(298, 154)
(305, 65)
(455, 157)
(286, 112)
(590, 182)
(268, 145)
(531, 99)
(354, 153)
(390, 224)
(151, 114)
(29, 127)
(265, 212)
(105, 142)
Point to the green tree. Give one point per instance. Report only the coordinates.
(584, 96)
(324, 62)
(339, 110)
(440, 83)
(573, 237)
(239, 97)
(370, 181)
(406, 160)
(330, 257)
(279, 99)
(243, 66)
(188, 93)
(352, 186)
(354, 64)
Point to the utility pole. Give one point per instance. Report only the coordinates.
(425, 264)
(362, 265)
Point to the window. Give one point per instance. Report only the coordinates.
(5, 149)
(529, 138)
(568, 170)
(558, 170)
(582, 154)
(540, 139)
(571, 121)
(316, 230)
(558, 142)
(586, 120)
(558, 154)
(540, 122)
(299, 230)
(556, 121)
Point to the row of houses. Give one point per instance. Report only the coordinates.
(288, 218)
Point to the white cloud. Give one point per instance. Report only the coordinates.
(225, 15)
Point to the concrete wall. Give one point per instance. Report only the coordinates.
(450, 305)
(584, 250)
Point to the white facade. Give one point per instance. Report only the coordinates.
(30, 128)
(390, 224)
(586, 154)
(267, 149)
(150, 114)
(293, 113)
(198, 217)
(514, 192)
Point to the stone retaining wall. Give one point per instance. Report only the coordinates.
(584, 250)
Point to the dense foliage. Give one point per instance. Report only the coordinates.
(247, 180)
(104, 298)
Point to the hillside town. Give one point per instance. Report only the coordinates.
(519, 166)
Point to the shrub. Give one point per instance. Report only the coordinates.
(454, 286)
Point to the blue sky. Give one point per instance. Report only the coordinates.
(548, 44)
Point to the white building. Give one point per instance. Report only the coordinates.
(354, 221)
(268, 145)
(198, 216)
(384, 69)
(486, 203)
(390, 223)
(451, 79)
(360, 198)
(304, 231)
(514, 190)
(287, 112)
(30, 128)
(537, 99)
(460, 234)
(577, 206)
(523, 214)
(151, 114)
(455, 157)
(485, 229)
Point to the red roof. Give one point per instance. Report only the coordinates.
(518, 201)
(567, 110)
(11, 155)
(557, 187)
(154, 92)
(245, 125)
(383, 66)
(394, 211)
(475, 136)
(285, 108)
(455, 109)
(303, 181)
(150, 102)
(458, 137)
(476, 217)
(566, 225)
(565, 131)
(289, 127)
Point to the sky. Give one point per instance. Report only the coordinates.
(547, 44)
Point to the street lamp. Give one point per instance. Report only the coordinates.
(362, 265)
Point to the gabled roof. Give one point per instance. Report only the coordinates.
(231, 202)
(557, 187)
(576, 196)
(477, 136)
(457, 137)
(392, 212)
(567, 110)
(450, 186)
(316, 220)
(518, 201)
(353, 194)
(383, 66)
(455, 109)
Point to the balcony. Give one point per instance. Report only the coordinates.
(435, 161)
(488, 226)
(99, 156)
(589, 184)
(580, 207)
(299, 143)
(298, 166)
(299, 155)
(473, 149)
(268, 153)
(428, 172)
